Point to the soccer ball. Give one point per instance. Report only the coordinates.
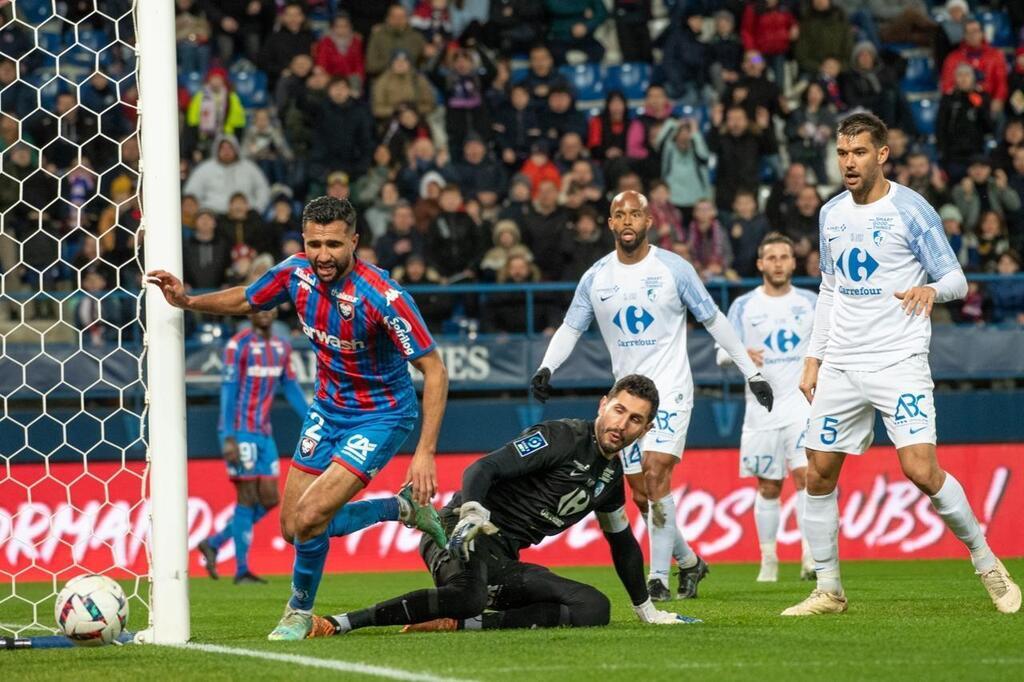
(91, 610)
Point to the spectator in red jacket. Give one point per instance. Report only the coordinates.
(340, 52)
(988, 63)
(539, 167)
(769, 27)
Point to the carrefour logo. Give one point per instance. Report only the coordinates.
(857, 264)
(633, 319)
(782, 341)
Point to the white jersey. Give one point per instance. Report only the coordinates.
(873, 251)
(781, 327)
(641, 311)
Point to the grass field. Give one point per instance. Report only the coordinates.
(907, 620)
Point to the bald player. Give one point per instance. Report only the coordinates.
(639, 295)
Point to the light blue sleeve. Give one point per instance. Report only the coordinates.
(736, 316)
(925, 235)
(825, 262)
(690, 288)
(581, 310)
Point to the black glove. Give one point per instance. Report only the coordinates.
(762, 390)
(540, 384)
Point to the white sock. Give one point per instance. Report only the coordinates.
(661, 525)
(821, 528)
(684, 556)
(801, 503)
(766, 518)
(951, 504)
(474, 623)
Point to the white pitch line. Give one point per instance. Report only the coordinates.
(325, 663)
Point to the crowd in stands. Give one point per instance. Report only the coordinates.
(481, 140)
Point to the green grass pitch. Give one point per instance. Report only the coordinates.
(908, 620)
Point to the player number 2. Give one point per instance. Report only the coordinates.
(828, 430)
(313, 431)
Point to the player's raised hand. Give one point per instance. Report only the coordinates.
(474, 518)
(809, 378)
(171, 287)
(540, 384)
(648, 614)
(918, 300)
(423, 476)
(762, 391)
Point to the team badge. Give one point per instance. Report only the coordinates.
(346, 310)
(306, 446)
(878, 237)
(527, 445)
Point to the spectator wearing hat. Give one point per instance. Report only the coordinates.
(478, 173)
(206, 254)
(422, 159)
(213, 111)
(952, 20)
(987, 62)
(539, 167)
(215, 180)
(516, 127)
(342, 136)
(395, 34)
(401, 240)
(398, 84)
(871, 85)
(754, 91)
(506, 236)
(290, 37)
(291, 244)
(964, 120)
(572, 27)
(517, 204)
(1007, 292)
(983, 190)
(340, 52)
(964, 245)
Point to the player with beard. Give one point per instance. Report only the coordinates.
(639, 294)
(540, 484)
(365, 330)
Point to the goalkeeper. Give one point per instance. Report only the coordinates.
(538, 485)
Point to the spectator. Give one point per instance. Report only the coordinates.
(213, 111)
(98, 316)
(342, 131)
(506, 236)
(926, 179)
(340, 52)
(753, 89)
(708, 245)
(433, 20)
(17, 97)
(1016, 218)
(379, 214)
(740, 146)
(505, 311)
(561, 116)
(189, 211)
(631, 19)
(454, 243)
(606, 134)
(517, 205)
(828, 77)
(395, 34)
(544, 231)
(769, 28)
(899, 149)
(872, 86)
(265, 144)
(239, 26)
(243, 225)
(479, 175)
(515, 25)
(809, 130)
(282, 220)
(517, 127)
(206, 255)
(365, 253)
(291, 244)
(668, 225)
(421, 160)
(588, 242)
(952, 22)
(401, 240)
(405, 127)
(192, 37)
(801, 225)
(1015, 90)
(685, 59)
(987, 62)
(365, 15)
(992, 242)
(289, 38)
(904, 21)
(570, 151)
(962, 124)
(463, 75)
(69, 135)
(684, 164)
(215, 180)
(541, 76)
(366, 190)
(964, 246)
(824, 32)
(573, 23)
(642, 134)
(539, 168)
(401, 83)
(99, 94)
(1007, 295)
(724, 52)
(1013, 139)
(748, 228)
(982, 191)
(435, 308)
(581, 188)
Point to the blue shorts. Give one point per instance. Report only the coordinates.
(361, 444)
(257, 457)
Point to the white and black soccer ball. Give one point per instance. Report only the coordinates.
(91, 610)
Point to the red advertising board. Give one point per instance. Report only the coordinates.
(76, 520)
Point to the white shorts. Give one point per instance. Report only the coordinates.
(668, 435)
(843, 412)
(770, 454)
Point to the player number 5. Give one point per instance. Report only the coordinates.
(828, 430)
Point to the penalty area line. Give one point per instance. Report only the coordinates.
(323, 663)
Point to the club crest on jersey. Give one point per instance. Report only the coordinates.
(878, 237)
(527, 445)
(346, 310)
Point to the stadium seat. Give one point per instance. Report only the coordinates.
(251, 87)
(587, 80)
(920, 75)
(51, 42)
(34, 12)
(191, 81)
(631, 78)
(925, 111)
(998, 31)
(93, 39)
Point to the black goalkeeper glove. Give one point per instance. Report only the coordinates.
(762, 390)
(540, 384)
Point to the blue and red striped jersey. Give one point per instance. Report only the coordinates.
(364, 328)
(253, 367)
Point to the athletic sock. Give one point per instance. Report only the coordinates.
(358, 515)
(766, 518)
(310, 557)
(801, 503)
(241, 533)
(661, 525)
(218, 539)
(821, 526)
(258, 512)
(685, 557)
(952, 505)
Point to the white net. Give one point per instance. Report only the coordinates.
(72, 391)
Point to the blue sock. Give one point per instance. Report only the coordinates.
(222, 536)
(358, 515)
(241, 532)
(309, 568)
(258, 512)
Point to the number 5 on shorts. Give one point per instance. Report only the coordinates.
(828, 430)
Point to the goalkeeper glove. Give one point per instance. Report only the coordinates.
(541, 384)
(648, 614)
(762, 390)
(473, 519)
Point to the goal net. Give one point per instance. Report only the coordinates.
(77, 436)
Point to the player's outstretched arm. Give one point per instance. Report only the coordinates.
(559, 349)
(227, 302)
(422, 469)
(725, 336)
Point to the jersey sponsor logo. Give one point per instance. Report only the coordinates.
(305, 276)
(527, 445)
(908, 408)
(581, 466)
(331, 341)
(346, 310)
(358, 448)
(782, 341)
(391, 295)
(264, 372)
(663, 421)
(835, 229)
(402, 332)
(857, 264)
(917, 430)
(604, 294)
(573, 502)
(348, 298)
(633, 319)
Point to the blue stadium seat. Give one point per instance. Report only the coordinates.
(191, 81)
(631, 78)
(998, 31)
(920, 75)
(51, 42)
(586, 79)
(251, 87)
(34, 12)
(93, 39)
(925, 112)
